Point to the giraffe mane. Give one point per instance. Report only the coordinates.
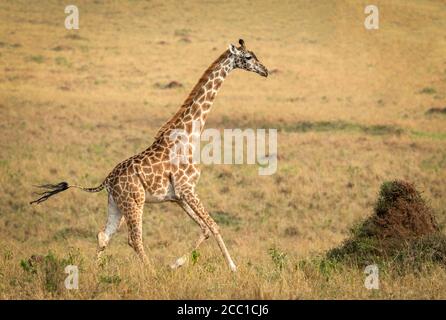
(190, 99)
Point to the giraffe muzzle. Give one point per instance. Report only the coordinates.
(263, 71)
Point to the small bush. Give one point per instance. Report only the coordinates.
(195, 256)
(37, 59)
(278, 257)
(51, 269)
(428, 90)
(110, 279)
(226, 219)
(62, 61)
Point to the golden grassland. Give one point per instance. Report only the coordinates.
(350, 105)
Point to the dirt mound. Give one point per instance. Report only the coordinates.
(401, 212)
(170, 85)
(402, 229)
(436, 111)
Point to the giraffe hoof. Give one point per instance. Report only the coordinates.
(233, 267)
(179, 263)
(102, 240)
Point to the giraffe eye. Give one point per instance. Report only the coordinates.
(248, 57)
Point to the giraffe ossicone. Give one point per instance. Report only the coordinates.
(150, 176)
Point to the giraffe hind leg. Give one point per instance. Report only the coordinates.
(121, 222)
(133, 216)
(113, 222)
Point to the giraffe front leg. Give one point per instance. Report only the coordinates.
(195, 204)
(205, 233)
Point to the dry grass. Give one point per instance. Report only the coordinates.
(351, 105)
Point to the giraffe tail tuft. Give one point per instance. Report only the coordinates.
(51, 190)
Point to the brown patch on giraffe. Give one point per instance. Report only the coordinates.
(201, 92)
(206, 106)
(197, 112)
(218, 83)
(156, 156)
(190, 170)
(187, 118)
(188, 126)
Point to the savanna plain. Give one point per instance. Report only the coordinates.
(353, 108)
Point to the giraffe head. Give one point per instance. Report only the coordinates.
(247, 60)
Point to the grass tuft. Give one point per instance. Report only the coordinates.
(36, 58)
(279, 257)
(428, 90)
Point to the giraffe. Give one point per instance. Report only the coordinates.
(151, 176)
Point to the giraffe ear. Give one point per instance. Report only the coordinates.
(233, 49)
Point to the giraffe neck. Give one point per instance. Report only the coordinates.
(197, 106)
(203, 96)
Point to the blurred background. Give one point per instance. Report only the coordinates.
(354, 108)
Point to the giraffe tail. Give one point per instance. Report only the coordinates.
(52, 189)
